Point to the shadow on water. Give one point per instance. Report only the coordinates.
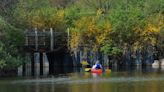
(60, 62)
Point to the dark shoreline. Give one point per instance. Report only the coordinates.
(8, 72)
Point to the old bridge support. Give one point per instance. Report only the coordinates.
(45, 51)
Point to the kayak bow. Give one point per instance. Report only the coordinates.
(96, 70)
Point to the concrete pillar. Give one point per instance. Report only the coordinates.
(20, 71)
(37, 64)
(75, 58)
(106, 61)
(51, 39)
(45, 65)
(156, 64)
(28, 65)
(81, 54)
(25, 69)
(36, 39)
(162, 62)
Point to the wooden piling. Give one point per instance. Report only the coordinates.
(32, 64)
(51, 40)
(26, 38)
(36, 39)
(37, 64)
(41, 63)
(68, 37)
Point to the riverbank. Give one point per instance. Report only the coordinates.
(8, 72)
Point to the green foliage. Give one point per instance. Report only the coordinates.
(1, 22)
(130, 23)
(109, 48)
(124, 21)
(108, 26)
(72, 14)
(7, 60)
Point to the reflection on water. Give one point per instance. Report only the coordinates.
(133, 79)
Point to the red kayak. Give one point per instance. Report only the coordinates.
(96, 70)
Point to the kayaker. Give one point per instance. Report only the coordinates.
(84, 62)
(88, 66)
(97, 65)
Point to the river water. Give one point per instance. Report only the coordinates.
(130, 79)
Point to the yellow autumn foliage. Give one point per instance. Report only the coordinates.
(104, 34)
(147, 35)
(58, 20)
(152, 29)
(91, 29)
(90, 33)
(99, 13)
(81, 23)
(74, 40)
(42, 21)
(37, 21)
(58, 17)
(100, 39)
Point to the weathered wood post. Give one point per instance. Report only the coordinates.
(32, 64)
(36, 39)
(106, 61)
(28, 64)
(51, 39)
(20, 71)
(44, 37)
(45, 65)
(36, 64)
(75, 58)
(41, 63)
(26, 31)
(80, 56)
(36, 56)
(68, 38)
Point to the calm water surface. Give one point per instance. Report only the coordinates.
(119, 80)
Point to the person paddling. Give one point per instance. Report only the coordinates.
(97, 65)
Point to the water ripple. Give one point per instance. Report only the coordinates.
(85, 81)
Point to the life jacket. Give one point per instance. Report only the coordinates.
(98, 66)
